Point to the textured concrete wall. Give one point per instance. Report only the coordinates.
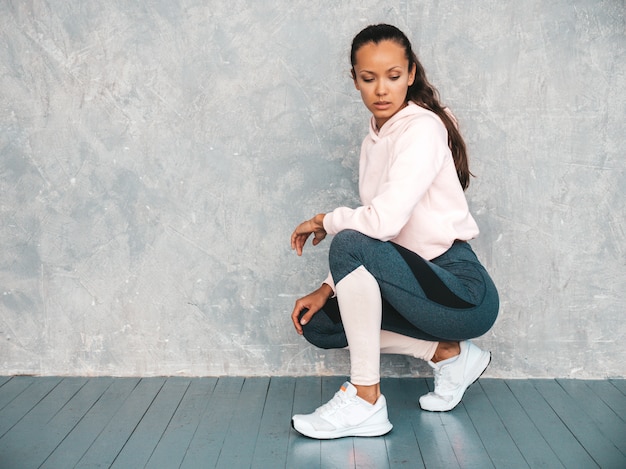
(155, 156)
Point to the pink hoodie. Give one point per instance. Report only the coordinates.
(408, 186)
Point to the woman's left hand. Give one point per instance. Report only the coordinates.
(302, 232)
(310, 305)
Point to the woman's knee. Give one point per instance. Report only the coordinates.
(322, 332)
(346, 241)
(347, 252)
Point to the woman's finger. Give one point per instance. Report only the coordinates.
(295, 317)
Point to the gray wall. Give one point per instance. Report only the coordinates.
(155, 156)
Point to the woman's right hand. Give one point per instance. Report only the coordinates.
(312, 303)
(314, 226)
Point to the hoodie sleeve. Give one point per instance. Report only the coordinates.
(330, 282)
(414, 160)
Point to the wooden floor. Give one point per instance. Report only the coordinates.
(236, 422)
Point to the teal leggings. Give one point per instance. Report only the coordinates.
(449, 298)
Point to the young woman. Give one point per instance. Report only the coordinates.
(403, 278)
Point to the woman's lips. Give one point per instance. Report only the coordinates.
(382, 105)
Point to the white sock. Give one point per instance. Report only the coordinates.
(360, 305)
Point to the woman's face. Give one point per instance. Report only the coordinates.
(382, 75)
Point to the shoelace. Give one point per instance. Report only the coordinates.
(341, 399)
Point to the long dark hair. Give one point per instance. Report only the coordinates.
(421, 91)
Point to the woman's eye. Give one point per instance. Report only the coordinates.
(394, 78)
(368, 80)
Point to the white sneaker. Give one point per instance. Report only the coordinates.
(453, 376)
(346, 414)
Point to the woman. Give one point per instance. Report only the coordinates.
(403, 278)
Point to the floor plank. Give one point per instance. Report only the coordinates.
(207, 441)
(144, 439)
(4, 379)
(304, 452)
(238, 448)
(79, 440)
(12, 388)
(526, 436)
(608, 423)
(233, 422)
(32, 439)
(501, 448)
(465, 440)
(554, 431)
(273, 440)
(119, 429)
(604, 453)
(370, 453)
(26, 400)
(610, 395)
(402, 446)
(431, 436)
(40, 437)
(170, 450)
(620, 384)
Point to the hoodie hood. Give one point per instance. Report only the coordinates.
(388, 127)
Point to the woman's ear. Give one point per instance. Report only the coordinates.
(356, 85)
(412, 75)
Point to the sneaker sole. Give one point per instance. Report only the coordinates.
(365, 431)
(456, 402)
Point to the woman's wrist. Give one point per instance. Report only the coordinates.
(327, 290)
(318, 221)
